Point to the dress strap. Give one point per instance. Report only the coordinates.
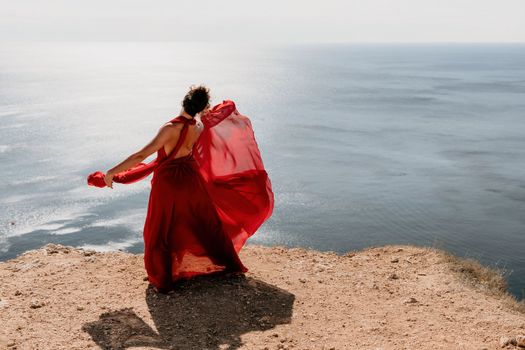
(183, 133)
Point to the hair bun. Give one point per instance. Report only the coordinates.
(196, 100)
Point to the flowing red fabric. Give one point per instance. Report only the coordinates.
(204, 206)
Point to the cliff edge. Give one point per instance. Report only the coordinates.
(391, 297)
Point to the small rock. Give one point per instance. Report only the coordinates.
(410, 301)
(394, 260)
(264, 319)
(80, 308)
(505, 341)
(36, 304)
(52, 248)
(520, 341)
(393, 276)
(17, 293)
(302, 280)
(11, 343)
(89, 252)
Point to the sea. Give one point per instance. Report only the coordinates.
(365, 144)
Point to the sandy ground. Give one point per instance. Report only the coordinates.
(392, 297)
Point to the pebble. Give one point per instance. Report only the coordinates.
(394, 260)
(89, 252)
(393, 276)
(505, 341)
(520, 341)
(35, 304)
(51, 248)
(411, 300)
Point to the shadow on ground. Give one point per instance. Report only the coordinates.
(207, 312)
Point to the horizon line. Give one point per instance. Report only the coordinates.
(244, 42)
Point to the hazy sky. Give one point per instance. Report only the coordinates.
(265, 20)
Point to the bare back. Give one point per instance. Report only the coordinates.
(192, 135)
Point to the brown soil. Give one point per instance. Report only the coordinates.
(392, 297)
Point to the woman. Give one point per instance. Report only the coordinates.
(209, 191)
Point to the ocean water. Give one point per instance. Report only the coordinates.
(365, 145)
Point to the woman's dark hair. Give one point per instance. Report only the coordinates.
(196, 100)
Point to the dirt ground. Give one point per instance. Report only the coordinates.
(391, 297)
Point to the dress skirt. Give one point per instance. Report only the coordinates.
(183, 234)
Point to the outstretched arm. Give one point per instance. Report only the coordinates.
(165, 133)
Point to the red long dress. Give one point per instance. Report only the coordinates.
(204, 206)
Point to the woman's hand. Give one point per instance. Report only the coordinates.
(108, 179)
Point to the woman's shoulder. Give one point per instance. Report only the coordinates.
(172, 127)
